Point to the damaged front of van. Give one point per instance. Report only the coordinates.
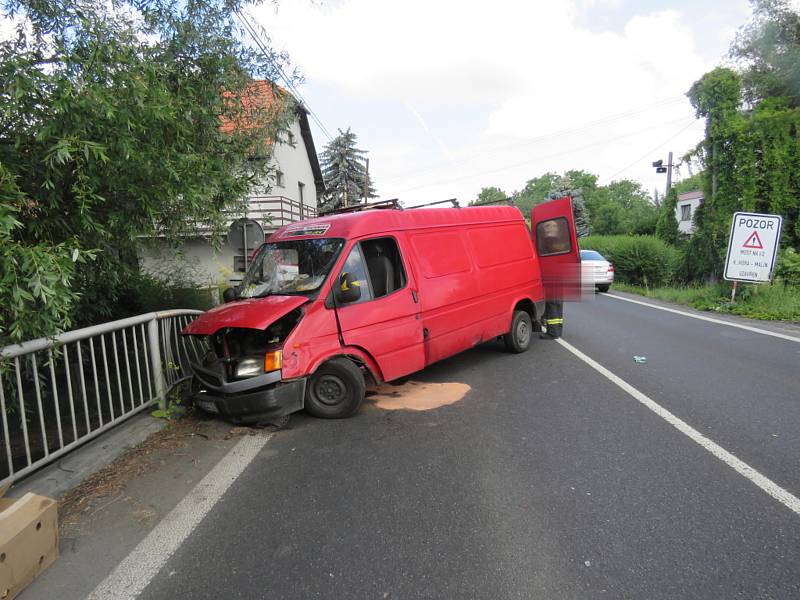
(253, 367)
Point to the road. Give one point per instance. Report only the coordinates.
(546, 480)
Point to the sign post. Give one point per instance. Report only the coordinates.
(752, 248)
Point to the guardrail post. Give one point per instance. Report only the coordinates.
(154, 345)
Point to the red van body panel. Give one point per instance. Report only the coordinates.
(466, 271)
(254, 313)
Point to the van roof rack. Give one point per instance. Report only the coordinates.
(381, 204)
(509, 201)
(453, 201)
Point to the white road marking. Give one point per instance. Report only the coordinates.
(136, 571)
(741, 467)
(783, 336)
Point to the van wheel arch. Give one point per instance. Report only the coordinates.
(336, 389)
(529, 307)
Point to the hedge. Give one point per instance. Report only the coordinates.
(638, 259)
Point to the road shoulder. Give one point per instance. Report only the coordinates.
(781, 327)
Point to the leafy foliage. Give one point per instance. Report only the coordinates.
(751, 150)
(110, 118)
(768, 50)
(488, 194)
(638, 260)
(35, 279)
(621, 207)
(667, 225)
(344, 171)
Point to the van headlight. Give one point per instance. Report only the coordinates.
(249, 367)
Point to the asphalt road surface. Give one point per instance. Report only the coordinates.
(546, 480)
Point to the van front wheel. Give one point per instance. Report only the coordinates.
(519, 338)
(336, 390)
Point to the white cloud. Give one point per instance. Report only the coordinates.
(528, 66)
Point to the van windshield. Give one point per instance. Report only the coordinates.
(291, 267)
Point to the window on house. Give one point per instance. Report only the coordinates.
(686, 212)
(279, 178)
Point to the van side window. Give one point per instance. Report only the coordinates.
(355, 266)
(385, 266)
(552, 237)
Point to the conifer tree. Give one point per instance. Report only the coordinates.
(344, 171)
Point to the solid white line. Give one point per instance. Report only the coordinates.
(136, 571)
(783, 336)
(769, 486)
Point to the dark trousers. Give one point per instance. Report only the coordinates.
(554, 318)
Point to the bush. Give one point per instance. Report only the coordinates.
(146, 293)
(638, 260)
(788, 269)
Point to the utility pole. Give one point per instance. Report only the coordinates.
(366, 183)
(669, 173)
(346, 185)
(660, 168)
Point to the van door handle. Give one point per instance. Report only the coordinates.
(415, 296)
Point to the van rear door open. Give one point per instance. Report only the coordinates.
(556, 243)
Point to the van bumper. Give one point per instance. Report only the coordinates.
(251, 400)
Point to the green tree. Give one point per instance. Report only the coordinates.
(716, 97)
(667, 226)
(344, 171)
(690, 184)
(488, 194)
(622, 207)
(536, 191)
(767, 51)
(110, 131)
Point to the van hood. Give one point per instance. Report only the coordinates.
(253, 313)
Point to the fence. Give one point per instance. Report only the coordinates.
(58, 393)
(279, 210)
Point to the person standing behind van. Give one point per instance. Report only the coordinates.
(553, 241)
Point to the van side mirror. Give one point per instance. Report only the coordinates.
(230, 294)
(348, 290)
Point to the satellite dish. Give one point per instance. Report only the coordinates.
(245, 235)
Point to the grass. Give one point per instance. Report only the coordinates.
(772, 302)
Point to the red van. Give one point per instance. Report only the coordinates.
(334, 304)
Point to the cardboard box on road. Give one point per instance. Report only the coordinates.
(28, 541)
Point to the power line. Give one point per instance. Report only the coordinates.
(254, 35)
(602, 121)
(596, 143)
(650, 152)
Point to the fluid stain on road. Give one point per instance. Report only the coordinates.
(417, 395)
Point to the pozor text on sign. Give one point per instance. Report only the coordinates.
(753, 247)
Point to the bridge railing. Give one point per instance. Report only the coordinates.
(60, 392)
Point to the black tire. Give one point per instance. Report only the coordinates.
(603, 288)
(519, 338)
(336, 390)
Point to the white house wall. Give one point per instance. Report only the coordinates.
(687, 227)
(197, 261)
(296, 168)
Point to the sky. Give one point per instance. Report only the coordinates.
(450, 96)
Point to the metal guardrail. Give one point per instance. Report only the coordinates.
(58, 393)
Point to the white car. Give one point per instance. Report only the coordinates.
(596, 271)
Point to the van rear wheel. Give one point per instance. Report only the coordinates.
(336, 390)
(519, 338)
